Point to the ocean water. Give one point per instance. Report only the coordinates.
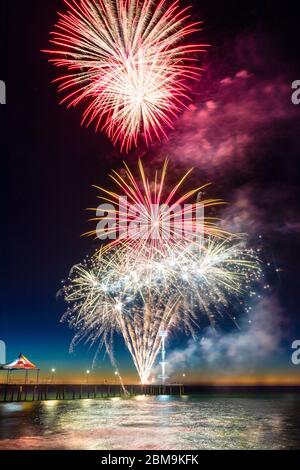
(154, 423)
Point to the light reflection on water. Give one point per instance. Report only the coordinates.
(149, 423)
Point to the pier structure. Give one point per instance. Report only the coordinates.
(43, 392)
(13, 393)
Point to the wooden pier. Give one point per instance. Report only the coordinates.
(43, 392)
(30, 393)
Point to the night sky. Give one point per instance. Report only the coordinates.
(242, 133)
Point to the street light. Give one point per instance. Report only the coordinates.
(87, 376)
(52, 375)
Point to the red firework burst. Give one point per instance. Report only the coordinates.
(127, 62)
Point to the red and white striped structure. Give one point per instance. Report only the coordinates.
(21, 363)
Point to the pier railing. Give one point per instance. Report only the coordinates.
(42, 392)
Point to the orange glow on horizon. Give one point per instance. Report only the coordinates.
(280, 378)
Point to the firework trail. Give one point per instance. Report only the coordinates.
(167, 218)
(127, 62)
(138, 286)
(113, 292)
(108, 294)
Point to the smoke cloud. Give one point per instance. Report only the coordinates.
(259, 210)
(240, 129)
(242, 106)
(240, 350)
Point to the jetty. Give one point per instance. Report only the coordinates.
(42, 392)
(10, 393)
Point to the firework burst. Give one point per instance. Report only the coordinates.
(128, 63)
(106, 296)
(148, 215)
(114, 292)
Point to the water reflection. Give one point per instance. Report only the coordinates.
(185, 423)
